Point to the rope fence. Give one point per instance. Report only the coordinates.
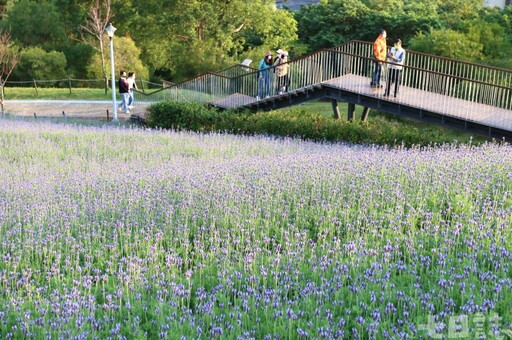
(74, 83)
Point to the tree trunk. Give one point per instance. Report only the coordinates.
(1, 96)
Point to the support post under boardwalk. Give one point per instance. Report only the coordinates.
(351, 111)
(364, 116)
(335, 109)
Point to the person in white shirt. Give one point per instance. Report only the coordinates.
(396, 58)
(131, 85)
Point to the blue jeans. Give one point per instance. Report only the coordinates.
(130, 99)
(264, 88)
(376, 72)
(125, 97)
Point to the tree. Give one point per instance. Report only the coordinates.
(35, 63)
(449, 43)
(73, 14)
(454, 13)
(192, 36)
(332, 23)
(494, 30)
(98, 17)
(36, 24)
(4, 5)
(126, 56)
(8, 59)
(280, 32)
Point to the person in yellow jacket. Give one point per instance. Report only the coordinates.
(379, 53)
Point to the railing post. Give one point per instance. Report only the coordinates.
(351, 111)
(365, 114)
(335, 109)
(142, 85)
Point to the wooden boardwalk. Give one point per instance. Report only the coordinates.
(428, 101)
(408, 97)
(234, 101)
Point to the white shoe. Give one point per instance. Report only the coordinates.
(127, 112)
(267, 97)
(130, 107)
(120, 109)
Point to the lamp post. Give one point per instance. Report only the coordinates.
(110, 31)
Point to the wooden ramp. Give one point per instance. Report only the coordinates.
(233, 101)
(434, 89)
(428, 101)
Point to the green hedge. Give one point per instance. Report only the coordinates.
(295, 122)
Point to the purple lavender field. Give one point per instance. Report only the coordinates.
(125, 233)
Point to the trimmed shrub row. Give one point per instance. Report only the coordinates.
(292, 122)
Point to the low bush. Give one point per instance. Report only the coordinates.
(295, 122)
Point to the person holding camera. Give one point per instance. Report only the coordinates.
(281, 69)
(396, 57)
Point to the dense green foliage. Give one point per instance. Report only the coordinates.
(174, 39)
(462, 29)
(296, 122)
(126, 56)
(179, 39)
(36, 63)
(37, 23)
(182, 38)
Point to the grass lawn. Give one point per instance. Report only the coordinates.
(21, 93)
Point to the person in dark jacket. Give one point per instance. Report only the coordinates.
(122, 85)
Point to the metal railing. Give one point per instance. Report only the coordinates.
(457, 79)
(455, 86)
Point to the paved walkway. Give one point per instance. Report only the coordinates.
(89, 109)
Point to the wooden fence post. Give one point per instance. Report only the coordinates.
(35, 87)
(142, 85)
(69, 83)
(335, 108)
(364, 116)
(351, 111)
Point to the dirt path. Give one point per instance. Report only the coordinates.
(68, 108)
